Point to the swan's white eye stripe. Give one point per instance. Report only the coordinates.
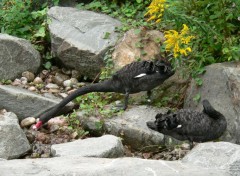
(179, 126)
(141, 75)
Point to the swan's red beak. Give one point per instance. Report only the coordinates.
(38, 125)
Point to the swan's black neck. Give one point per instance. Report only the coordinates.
(209, 110)
(105, 86)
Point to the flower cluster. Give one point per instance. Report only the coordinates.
(155, 10)
(178, 42)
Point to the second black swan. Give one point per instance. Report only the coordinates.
(194, 126)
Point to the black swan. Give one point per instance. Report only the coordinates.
(191, 125)
(132, 78)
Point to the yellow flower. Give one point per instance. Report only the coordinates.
(155, 10)
(177, 42)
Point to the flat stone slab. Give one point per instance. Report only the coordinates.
(131, 127)
(107, 146)
(216, 155)
(26, 103)
(206, 159)
(13, 141)
(103, 167)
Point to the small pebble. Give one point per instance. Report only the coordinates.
(38, 80)
(32, 88)
(29, 75)
(67, 83)
(52, 86)
(16, 82)
(28, 121)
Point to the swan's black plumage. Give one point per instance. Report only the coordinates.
(132, 78)
(194, 126)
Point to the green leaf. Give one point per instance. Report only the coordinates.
(107, 35)
(197, 97)
(199, 81)
(41, 32)
(47, 65)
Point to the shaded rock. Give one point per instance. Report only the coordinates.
(86, 35)
(60, 78)
(25, 103)
(13, 142)
(17, 55)
(221, 86)
(216, 155)
(130, 126)
(107, 146)
(135, 44)
(29, 75)
(104, 167)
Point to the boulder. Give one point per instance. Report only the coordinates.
(26, 103)
(221, 86)
(104, 167)
(16, 56)
(137, 44)
(130, 126)
(216, 155)
(13, 142)
(107, 146)
(80, 38)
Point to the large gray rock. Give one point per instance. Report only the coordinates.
(25, 103)
(131, 127)
(104, 167)
(16, 56)
(107, 146)
(216, 155)
(13, 142)
(78, 38)
(221, 86)
(207, 159)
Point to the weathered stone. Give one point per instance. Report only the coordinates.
(80, 38)
(216, 155)
(104, 167)
(13, 142)
(135, 44)
(130, 126)
(107, 146)
(16, 56)
(25, 103)
(221, 86)
(28, 121)
(29, 75)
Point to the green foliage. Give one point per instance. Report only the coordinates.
(5, 81)
(215, 24)
(130, 13)
(74, 124)
(19, 18)
(97, 104)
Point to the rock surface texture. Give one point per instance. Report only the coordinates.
(130, 126)
(135, 44)
(107, 146)
(221, 86)
(197, 163)
(16, 56)
(13, 142)
(25, 103)
(80, 38)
